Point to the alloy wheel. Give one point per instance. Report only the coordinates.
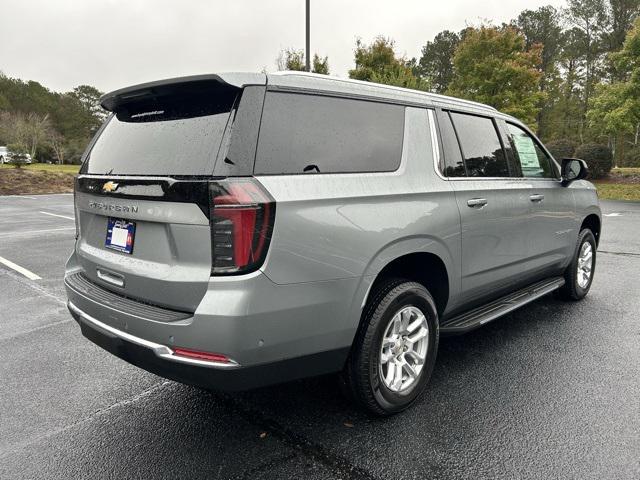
(585, 265)
(404, 349)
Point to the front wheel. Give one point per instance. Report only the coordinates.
(579, 274)
(395, 348)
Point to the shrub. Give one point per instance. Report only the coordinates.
(561, 148)
(598, 158)
(632, 157)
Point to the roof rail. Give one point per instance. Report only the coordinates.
(435, 96)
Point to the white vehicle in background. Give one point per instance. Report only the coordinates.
(6, 156)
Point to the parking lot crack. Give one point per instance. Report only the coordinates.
(35, 329)
(625, 254)
(266, 467)
(341, 466)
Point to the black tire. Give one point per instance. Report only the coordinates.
(571, 289)
(361, 377)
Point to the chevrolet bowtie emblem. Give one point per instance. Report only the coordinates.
(109, 187)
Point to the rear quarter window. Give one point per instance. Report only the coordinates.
(303, 133)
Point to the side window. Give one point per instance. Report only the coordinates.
(481, 148)
(319, 134)
(533, 160)
(453, 165)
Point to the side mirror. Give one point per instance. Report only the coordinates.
(573, 169)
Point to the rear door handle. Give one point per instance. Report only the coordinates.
(536, 198)
(477, 202)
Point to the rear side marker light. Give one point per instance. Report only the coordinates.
(242, 215)
(199, 355)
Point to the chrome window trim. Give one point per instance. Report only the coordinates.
(435, 143)
(510, 179)
(436, 154)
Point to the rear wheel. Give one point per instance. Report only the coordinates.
(395, 348)
(579, 274)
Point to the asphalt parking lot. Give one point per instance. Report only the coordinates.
(549, 391)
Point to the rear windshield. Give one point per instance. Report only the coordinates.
(177, 135)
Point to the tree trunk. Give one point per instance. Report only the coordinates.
(567, 98)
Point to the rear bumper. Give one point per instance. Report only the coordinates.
(161, 351)
(160, 360)
(273, 333)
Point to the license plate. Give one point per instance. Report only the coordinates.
(120, 235)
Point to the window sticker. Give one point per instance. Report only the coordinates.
(526, 151)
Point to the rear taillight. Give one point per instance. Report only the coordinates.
(242, 215)
(76, 212)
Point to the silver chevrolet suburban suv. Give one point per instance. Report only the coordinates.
(240, 230)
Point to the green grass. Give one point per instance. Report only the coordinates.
(73, 169)
(618, 191)
(626, 171)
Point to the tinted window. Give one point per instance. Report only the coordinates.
(312, 133)
(534, 162)
(481, 147)
(170, 136)
(452, 156)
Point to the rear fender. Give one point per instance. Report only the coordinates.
(392, 251)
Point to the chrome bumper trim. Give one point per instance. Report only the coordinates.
(161, 351)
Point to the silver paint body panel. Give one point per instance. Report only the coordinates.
(333, 234)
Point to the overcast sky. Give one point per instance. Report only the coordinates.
(114, 43)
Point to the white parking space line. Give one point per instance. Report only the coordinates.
(56, 215)
(33, 232)
(27, 273)
(38, 196)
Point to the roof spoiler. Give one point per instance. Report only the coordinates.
(193, 84)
